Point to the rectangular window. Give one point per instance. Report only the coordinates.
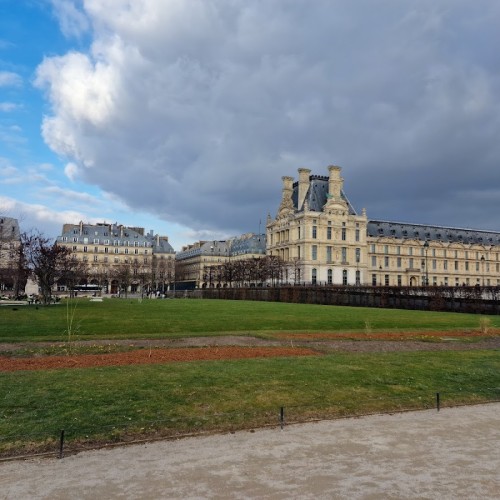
(398, 250)
(116, 250)
(411, 263)
(328, 254)
(358, 255)
(386, 249)
(374, 261)
(374, 280)
(96, 258)
(314, 232)
(344, 255)
(314, 252)
(96, 249)
(372, 248)
(456, 265)
(434, 264)
(410, 251)
(466, 266)
(400, 281)
(344, 235)
(386, 261)
(329, 233)
(357, 234)
(386, 280)
(398, 262)
(84, 249)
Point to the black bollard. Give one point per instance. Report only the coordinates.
(437, 401)
(282, 417)
(61, 444)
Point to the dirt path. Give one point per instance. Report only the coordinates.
(449, 342)
(451, 454)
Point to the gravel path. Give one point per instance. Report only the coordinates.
(451, 454)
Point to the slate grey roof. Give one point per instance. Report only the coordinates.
(251, 244)
(114, 234)
(241, 245)
(316, 195)
(401, 230)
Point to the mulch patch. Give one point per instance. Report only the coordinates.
(386, 335)
(150, 356)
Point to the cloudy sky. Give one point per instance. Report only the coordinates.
(183, 115)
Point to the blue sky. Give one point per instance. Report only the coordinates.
(183, 115)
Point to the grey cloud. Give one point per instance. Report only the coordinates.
(210, 103)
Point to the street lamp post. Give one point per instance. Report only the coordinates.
(426, 249)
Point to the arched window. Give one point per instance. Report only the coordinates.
(358, 278)
(330, 276)
(344, 276)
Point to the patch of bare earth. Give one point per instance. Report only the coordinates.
(150, 356)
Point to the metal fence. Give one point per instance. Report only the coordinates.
(73, 436)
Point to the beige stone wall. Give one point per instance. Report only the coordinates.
(397, 262)
(332, 246)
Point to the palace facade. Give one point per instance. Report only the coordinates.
(322, 238)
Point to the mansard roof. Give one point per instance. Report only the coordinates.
(249, 243)
(401, 230)
(101, 232)
(316, 196)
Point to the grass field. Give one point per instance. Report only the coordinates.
(133, 318)
(96, 405)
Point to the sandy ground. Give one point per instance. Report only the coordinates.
(451, 454)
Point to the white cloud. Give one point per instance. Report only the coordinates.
(71, 171)
(10, 79)
(73, 21)
(194, 109)
(7, 107)
(39, 217)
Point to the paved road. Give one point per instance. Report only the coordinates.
(451, 454)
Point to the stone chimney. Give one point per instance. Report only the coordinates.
(303, 186)
(335, 182)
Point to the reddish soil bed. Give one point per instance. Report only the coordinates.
(386, 335)
(153, 356)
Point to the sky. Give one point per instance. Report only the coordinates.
(182, 116)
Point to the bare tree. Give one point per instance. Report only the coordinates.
(46, 261)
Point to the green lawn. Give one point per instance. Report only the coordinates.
(106, 404)
(116, 403)
(133, 318)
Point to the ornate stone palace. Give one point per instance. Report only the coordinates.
(324, 240)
